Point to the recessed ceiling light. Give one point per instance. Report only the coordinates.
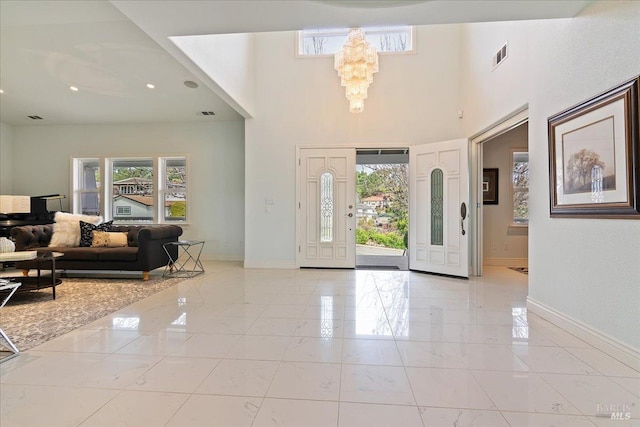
(73, 88)
(190, 84)
(1, 91)
(150, 86)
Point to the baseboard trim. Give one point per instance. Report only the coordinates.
(506, 262)
(608, 344)
(283, 265)
(222, 257)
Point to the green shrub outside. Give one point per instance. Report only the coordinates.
(362, 236)
(391, 239)
(178, 209)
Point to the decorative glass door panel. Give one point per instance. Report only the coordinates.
(326, 207)
(437, 216)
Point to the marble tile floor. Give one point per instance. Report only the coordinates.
(241, 347)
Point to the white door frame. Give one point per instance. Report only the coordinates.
(504, 125)
(510, 121)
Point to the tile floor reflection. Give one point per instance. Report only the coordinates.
(321, 347)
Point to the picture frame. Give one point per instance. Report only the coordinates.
(490, 186)
(594, 156)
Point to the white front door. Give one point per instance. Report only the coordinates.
(439, 208)
(326, 208)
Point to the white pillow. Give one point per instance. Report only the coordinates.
(66, 229)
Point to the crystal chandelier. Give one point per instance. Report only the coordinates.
(356, 64)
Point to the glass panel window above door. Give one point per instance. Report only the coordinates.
(326, 42)
(326, 207)
(437, 207)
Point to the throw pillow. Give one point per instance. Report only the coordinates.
(87, 229)
(107, 239)
(66, 228)
(117, 240)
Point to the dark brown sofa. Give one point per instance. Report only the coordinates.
(144, 251)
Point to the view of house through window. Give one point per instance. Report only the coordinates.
(382, 209)
(133, 189)
(136, 190)
(330, 41)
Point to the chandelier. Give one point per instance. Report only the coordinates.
(356, 63)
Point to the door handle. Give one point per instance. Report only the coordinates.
(463, 215)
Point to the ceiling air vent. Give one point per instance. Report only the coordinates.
(206, 113)
(500, 56)
(35, 117)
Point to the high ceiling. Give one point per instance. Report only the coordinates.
(110, 50)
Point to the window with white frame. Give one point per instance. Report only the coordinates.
(134, 189)
(329, 41)
(520, 187)
(86, 186)
(173, 188)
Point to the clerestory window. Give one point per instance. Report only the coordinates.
(329, 41)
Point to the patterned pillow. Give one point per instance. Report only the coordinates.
(87, 229)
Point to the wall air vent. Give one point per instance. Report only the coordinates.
(500, 56)
(35, 117)
(206, 113)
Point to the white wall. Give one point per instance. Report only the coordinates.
(502, 243)
(413, 100)
(585, 269)
(490, 94)
(227, 59)
(6, 159)
(216, 169)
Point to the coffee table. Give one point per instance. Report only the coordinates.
(45, 261)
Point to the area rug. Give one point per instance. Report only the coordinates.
(523, 270)
(33, 318)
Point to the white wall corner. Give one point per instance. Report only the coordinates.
(624, 353)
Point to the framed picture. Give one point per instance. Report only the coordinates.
(490, 186)
(594, 156)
